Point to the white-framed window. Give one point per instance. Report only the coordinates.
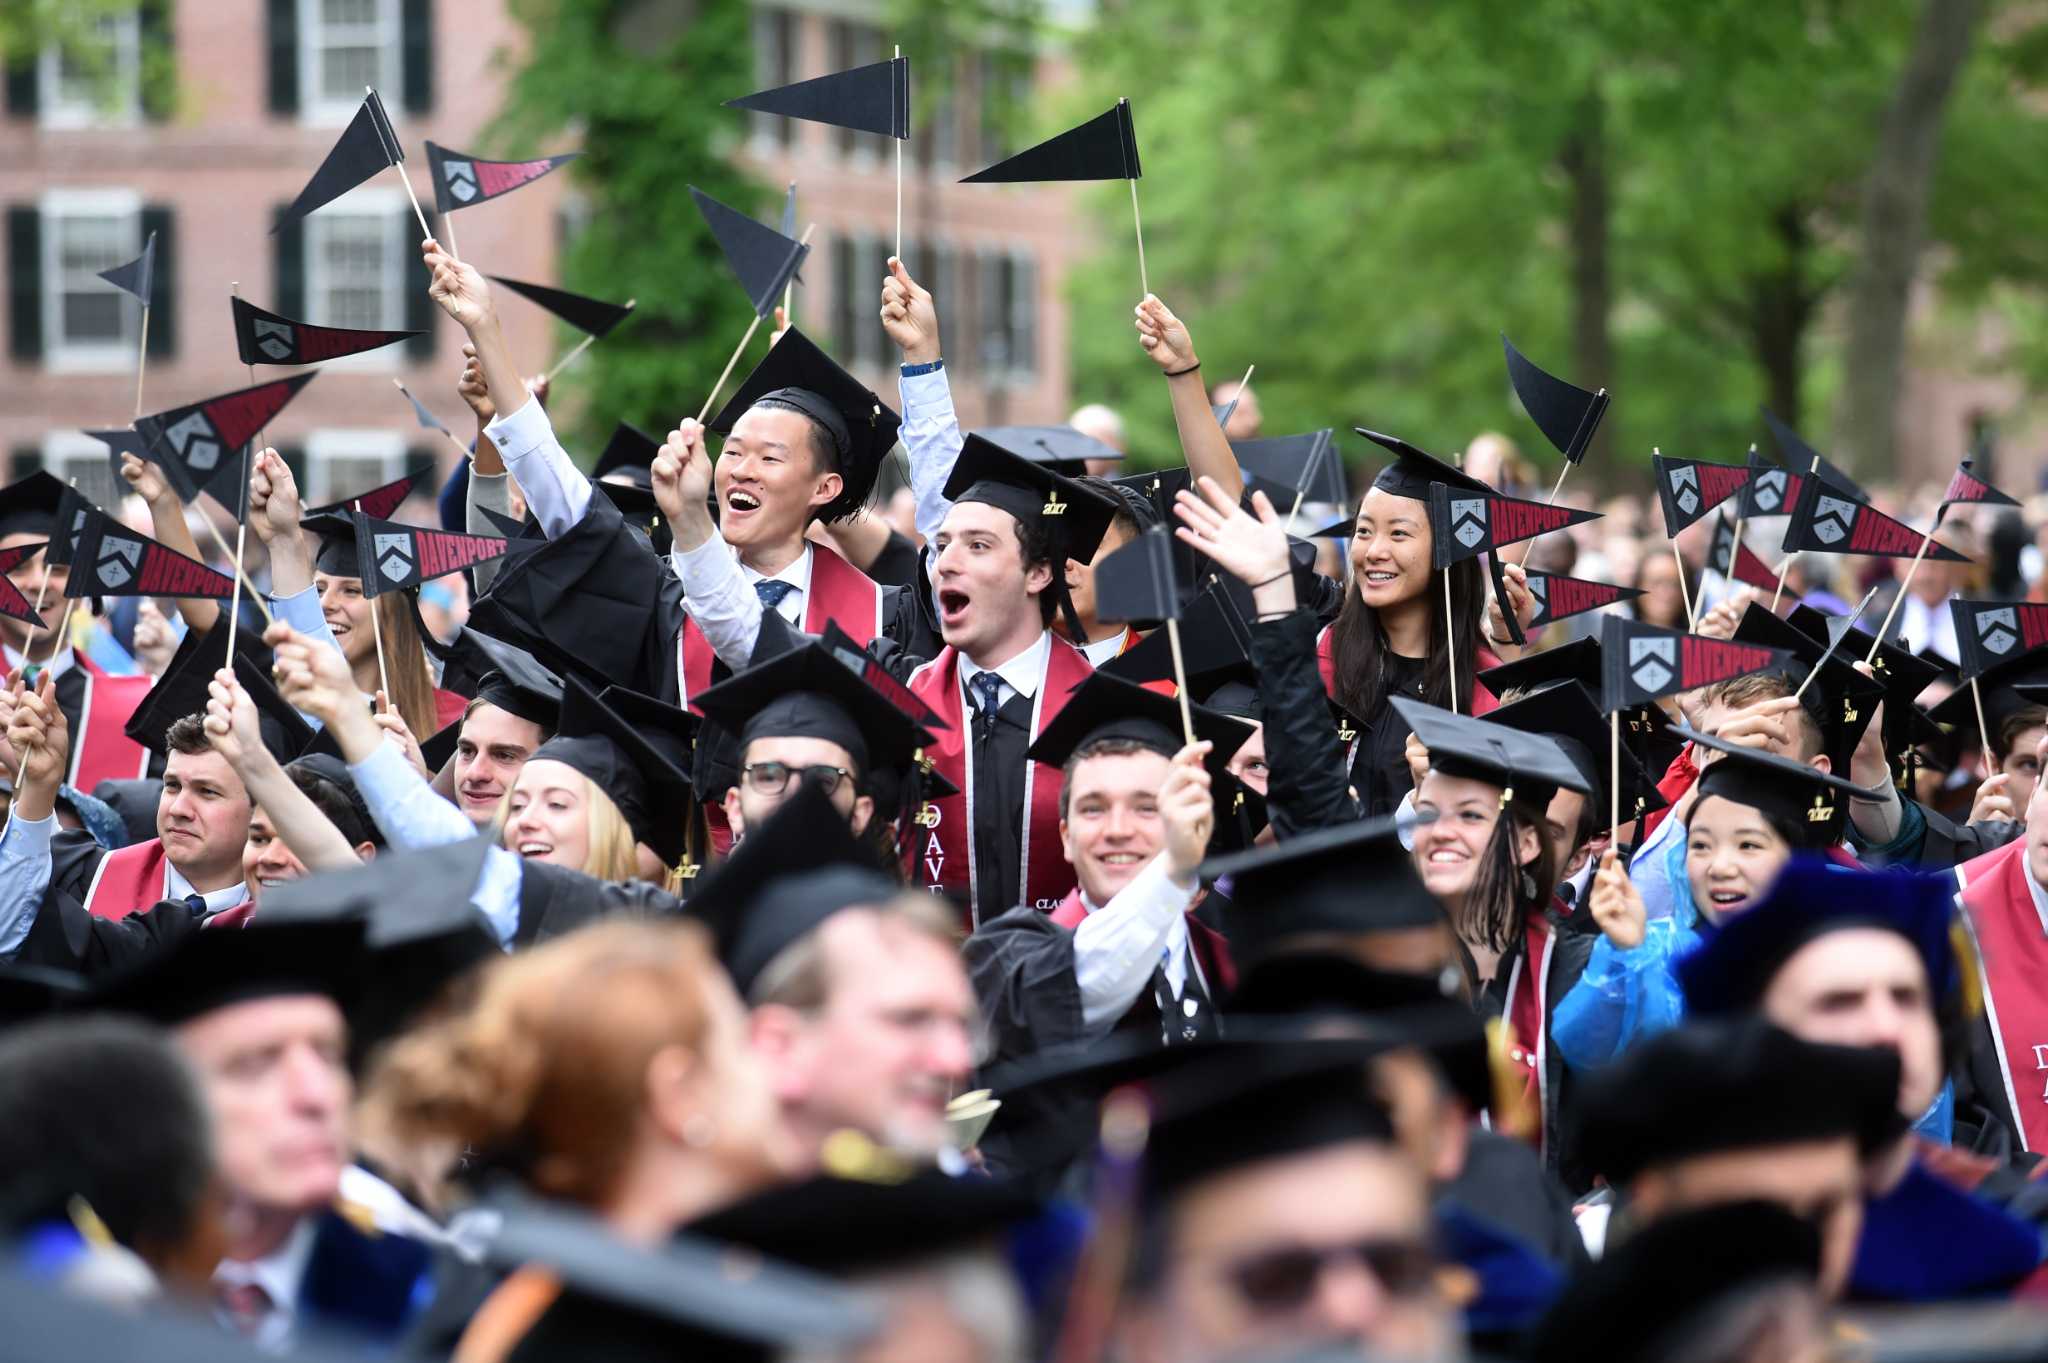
(345, 45)
(89, 326)
(1008, 316)
(96, 83)
(74, 454)
(341, 461)
(775, 39)
(356, 268)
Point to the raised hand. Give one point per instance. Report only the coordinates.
(1188, 812)
(1768, 726)
(781, 326)
(38, 733)
(1417, 757)
(1165, 337)
(1252, 549)
(1720, 622)
(231, 722)
(146, 479)
(1993, 801)
(274, 509)
(1520, 599)
(682, 482)
(316, 679)
(398, 733)
(909, 315)
(1616, 904)
(155, 643)
(460, 288)
(474, 388)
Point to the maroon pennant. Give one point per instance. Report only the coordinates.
(1966, 488)
(12, 603)
(1747, 568)
(1467, 524)
(192, 444)
(379, 501)
(270, 338)
(1688, 489)
(112, 560)
(1992, 632)
(1827, 522)
(1559, 597)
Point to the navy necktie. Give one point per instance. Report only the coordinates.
(988, 693)
(772, 591)
(197, 904)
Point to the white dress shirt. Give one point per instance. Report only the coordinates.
(718, 591)
(278, 1274)
(557, 492)
(1102, 650)
(931, 437)
(1021, 675)
(56, 666)
(1118, 945)
(411, 814)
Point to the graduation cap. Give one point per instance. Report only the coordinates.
(1737, 960)
(265, 958)
(1646, 1300)
(270, 338)
(1640, 663)
(1531, 766)
(1568, 715)
(198, 445)
(1353, 878)
(1241, 813)
(629, 454)
(1812, 802)
(1567, 414)
(860, 427)
(1413, 471)
(1137, 583)
(182, 691)
(112, 560)
(855, 1226)
(1688, 489)
(690, 1298)
(368, 145)
(1216, 646)
(28, 505)
(392, 557)
(326, 768)
(1989, 633)
(592, 316)
(1075, 515)
(625, 759)
(1805, 461)
(335, 554)
(1559, 597)
(135, 277)
(1705, 1088)
(1736, 561)
(1841, 700)
(1965, 488)
(515, 681)
(1108, 707)
(808, 692)
(464, 181)
(1062, 449)
(1903, 675)
(874, 99)
(1826, 521)
(782, 880)
(1103, 148)
(761, 258)
(379, 501)
(1305, 466)
(1997, 685)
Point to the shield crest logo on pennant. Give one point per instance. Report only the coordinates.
(1998, 630)
(1832, 518)
(196, 442)
(118, 561)
(1468, 521)
(274, 339)
(1652, 663)
(394, 556)
(1685, 488)
(1770, 491)
(461, 179)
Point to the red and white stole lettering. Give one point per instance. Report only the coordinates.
(944, 845)
(127, 880)
(839, 593)
(2012, 955)
(1527, 1009)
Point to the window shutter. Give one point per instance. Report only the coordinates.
(416, 27)
(420, 309)
(289, 258)
(159, 98)
(284, 56)
(25, 281)
(163, 286)
(22, 95)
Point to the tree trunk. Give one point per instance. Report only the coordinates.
(1780, 309)
(1584, 160)
(1894, 230)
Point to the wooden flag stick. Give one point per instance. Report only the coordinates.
(1812, 471)
(548, 374)
(377, 631)
(1180, 681)
(1684, 590)
(220, 543)
(1983, 729)
(1614, 777)
(1830, 650)
(899, 182)
(1144, 282)
(741, 348)
(1244, 383)
(448, 226)
(1900, 599)
(463, 449)
(42, 594)
(406, 180)
(141, 359)
(1451, 640)
(1551, 500)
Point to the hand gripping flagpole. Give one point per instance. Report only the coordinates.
(741, 348)
(899, 187)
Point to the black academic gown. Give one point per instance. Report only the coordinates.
(555, 899)
(1573, 934)
(1308, 787)
(65, 937)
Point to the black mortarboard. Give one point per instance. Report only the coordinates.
(1642, 726)
(28, 992)
(1797, 795)
(630, 454)
(1567, 713)
(808, 693)
(1241, 813)
(506, 676)
(206, 970)
(623, 759)
(1106, 707)
(782, 880)
(1530, 765)
(336, 533)
(325, 767)
(1642, 1302)
(1902, 673)
(1354, 878)
(844, 1226)
(1841, 700)
(1997, 685)
(1078, 515)
(1062, 449)
(1307, 466)
(1413, 471)
(1702, 1088)
(182, 690)
(860, 427)
(28, 506)
(1810, 898)
(691, 1298)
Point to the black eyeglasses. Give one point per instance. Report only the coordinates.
(1285, 1279)
(772, 778)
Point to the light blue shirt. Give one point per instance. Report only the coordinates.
(25, 878)
(931, 436)
(411, 815)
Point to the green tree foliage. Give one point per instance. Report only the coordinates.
(640, 89)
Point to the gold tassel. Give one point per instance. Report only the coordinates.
(1513, 1112)
(1967, 967)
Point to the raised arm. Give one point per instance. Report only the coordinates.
(167, 523)
(37, 732)
(931, 429)
(1202, 443)
(234, 731)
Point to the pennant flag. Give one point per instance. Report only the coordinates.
(1306, 465)
(1640, 663)
(1225, 411)
(112, 560)
(1967, 489)
(512, 529)
(381, 500)
(1824, 521)
(870, 99)
(69, 523)
(1770, 491)
(1559, 597)
(463, 181)
(1137, 582)
(761, 258)
(266, 338)
(120, 441)
(392, 557)
(1567, 414)
(1466, 524)
(1990, 632)
(1214, 639)
(1688, 489)
(1746, 567)
(136, 276)
(1802, 457)
(1103, 148)
(195, 445)
(13, 604)
(591, 315)
(367, 146)
(428, 421)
